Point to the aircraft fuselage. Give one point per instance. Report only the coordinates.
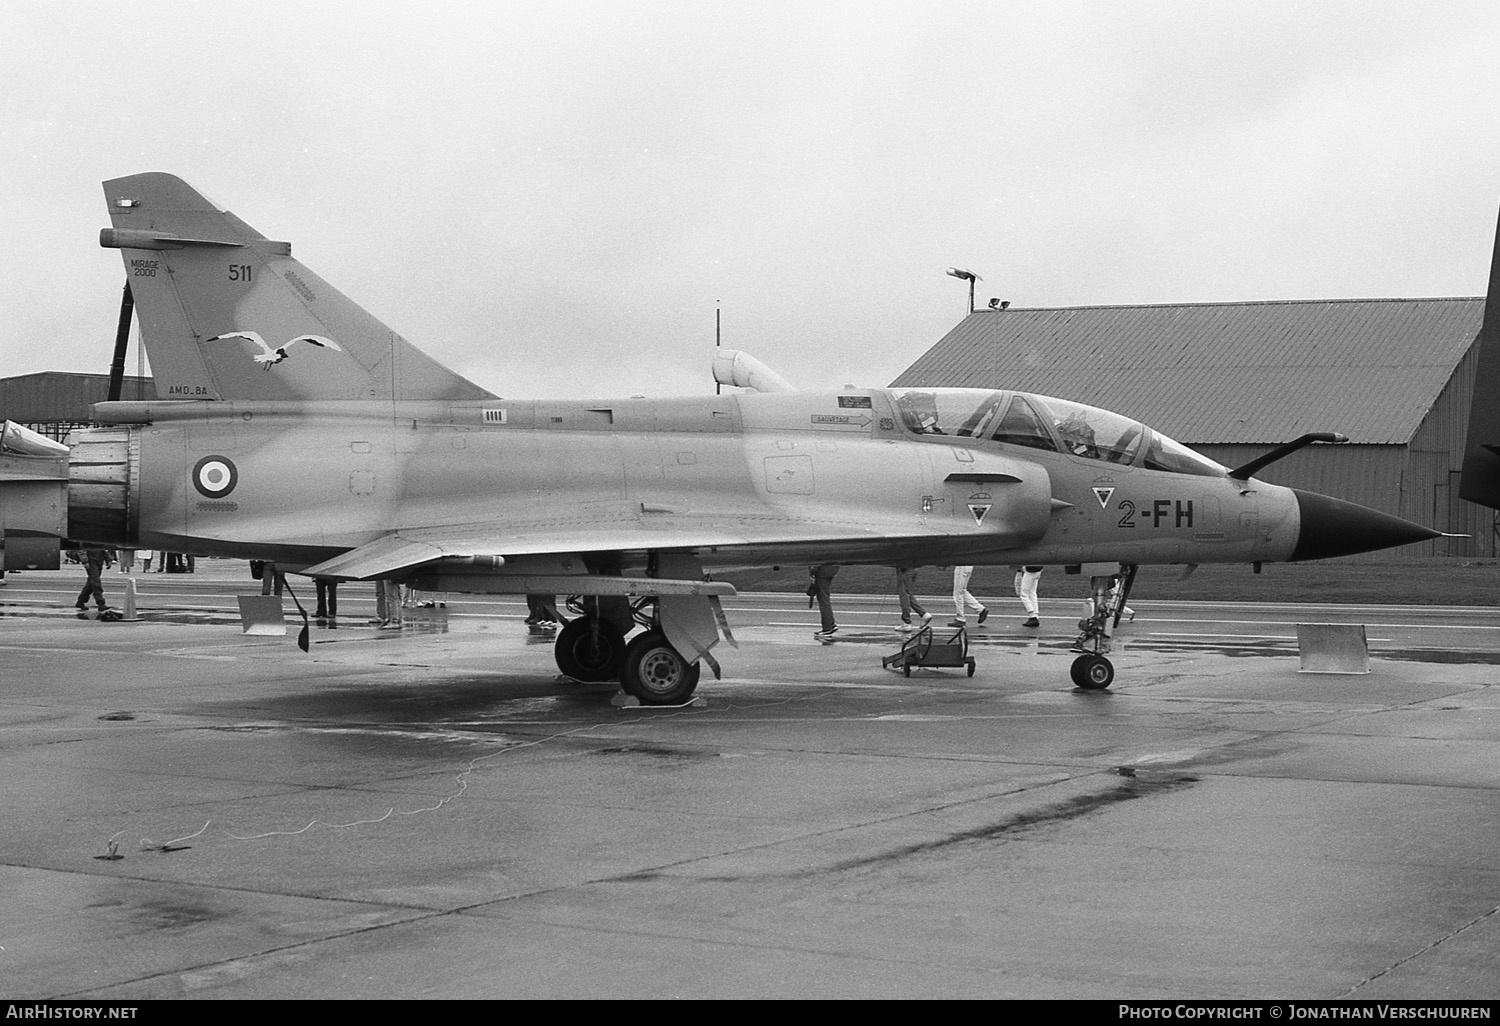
(785, 477)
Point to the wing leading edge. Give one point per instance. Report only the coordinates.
(557, 550)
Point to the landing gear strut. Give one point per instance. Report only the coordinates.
(1092, 671)
(655, 672)
(592, 648)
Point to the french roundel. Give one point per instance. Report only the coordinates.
(215, 476)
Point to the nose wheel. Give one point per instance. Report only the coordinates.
(1092, 672)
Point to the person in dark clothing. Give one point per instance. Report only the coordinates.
(328, 598)
(272, 580)
(94, 562)
(541, 611)
(906, 588)
(821, 590)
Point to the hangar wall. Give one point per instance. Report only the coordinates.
(56, 402)
(1437, 451)
(1418, 481)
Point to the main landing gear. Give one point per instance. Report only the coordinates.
(1092, 670)
(592, 648)
(655, 672)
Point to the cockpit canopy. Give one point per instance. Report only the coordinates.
(1042, 422)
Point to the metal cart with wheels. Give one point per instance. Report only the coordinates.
(924, 648)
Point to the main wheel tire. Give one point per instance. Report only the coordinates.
(590, 650)
(656, 673)
(1092, 672)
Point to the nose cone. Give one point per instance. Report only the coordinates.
(1333, 527)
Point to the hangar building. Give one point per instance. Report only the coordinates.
(56, 402)
(1233, 380)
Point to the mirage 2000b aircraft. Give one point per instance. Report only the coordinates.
(298, 428)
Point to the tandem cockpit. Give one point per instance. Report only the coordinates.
(1043, 422)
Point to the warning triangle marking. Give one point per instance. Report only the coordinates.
(1103, 494)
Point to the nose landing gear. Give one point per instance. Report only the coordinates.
(1092, 670)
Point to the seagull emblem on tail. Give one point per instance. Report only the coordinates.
(270, 357)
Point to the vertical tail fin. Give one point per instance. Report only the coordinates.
(226, 313)
(1480, 482)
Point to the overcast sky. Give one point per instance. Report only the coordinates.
(551, 198)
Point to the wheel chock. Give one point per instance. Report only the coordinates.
(621, 700)
(1333, 648)
(262, 615)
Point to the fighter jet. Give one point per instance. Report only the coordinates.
(363, 458)
(1479, 482)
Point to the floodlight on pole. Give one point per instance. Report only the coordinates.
(970, 277)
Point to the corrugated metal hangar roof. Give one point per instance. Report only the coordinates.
(1222, 372)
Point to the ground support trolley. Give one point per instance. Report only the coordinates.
(925, 649)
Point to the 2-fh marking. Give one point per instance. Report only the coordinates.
(1178, 512)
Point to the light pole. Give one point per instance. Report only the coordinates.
(970, 277)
